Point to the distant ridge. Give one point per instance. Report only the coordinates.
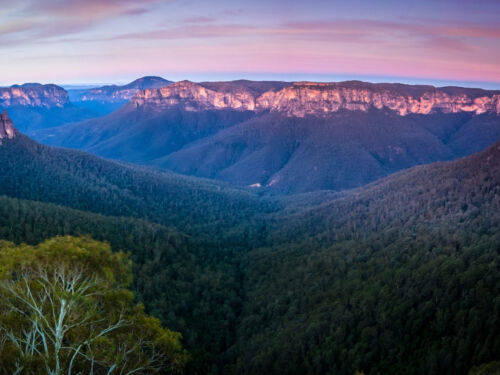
(106, 99)
(34, 106)
(114, 93)
(320, 99)
(33, 95)
(290, 137)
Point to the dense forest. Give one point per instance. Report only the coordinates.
(186, 283)
(81, 181)
(401, 276)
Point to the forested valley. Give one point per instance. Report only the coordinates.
(400, 276)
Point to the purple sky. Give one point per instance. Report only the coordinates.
(91, 41)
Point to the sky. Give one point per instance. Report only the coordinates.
(440, 42)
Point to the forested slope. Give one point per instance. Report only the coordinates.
(399, 277)
(292, 138)
(191, 286)
(82, 181)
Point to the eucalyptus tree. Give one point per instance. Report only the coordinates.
(65, 309)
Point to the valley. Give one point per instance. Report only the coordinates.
(353, 265)
(275, 187)
(289, 137)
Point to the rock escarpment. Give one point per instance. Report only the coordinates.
(310, 98)
(304, 98)
(7, 129)
(193, 96)
(33, 95)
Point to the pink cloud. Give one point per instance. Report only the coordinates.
(354, 32)
(446, 36)
(195, 31)
(42, 20)
(79, 31)
(87, 8)
(200, 20)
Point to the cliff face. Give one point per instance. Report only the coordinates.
(193, 96)
(7, 129)
(314, 98)
(33, 95)
(309, 98)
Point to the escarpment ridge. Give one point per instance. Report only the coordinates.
(33, 95)
(312, 98)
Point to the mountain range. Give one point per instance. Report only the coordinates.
(35, 106)
(289, 137)
(398, 276)
(106, 99)
(381, 258)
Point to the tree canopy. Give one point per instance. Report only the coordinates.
(66, 309)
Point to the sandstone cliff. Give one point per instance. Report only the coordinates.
(33, 95)
(193, 96)
(309, 98)
(7, 129)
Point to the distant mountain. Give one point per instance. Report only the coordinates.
(295, 137)
(33, 95)
(106, 99)
(319, 99)
(35, 106)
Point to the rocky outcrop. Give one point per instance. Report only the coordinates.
(115, 93)
(193, 96)
(7, 129)
(310, 98)
(316, 98)
(33, 95)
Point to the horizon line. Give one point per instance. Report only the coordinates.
(289, 78)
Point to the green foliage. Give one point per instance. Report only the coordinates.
(84, 182)
(492, 368)
(66, 309)
(189, 285)
(399, 277)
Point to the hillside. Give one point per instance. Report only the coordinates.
(82, 181)
(175, 275)
(184, 233)
(344, 151)
(291, 138)
(140, 135)
(400, 276)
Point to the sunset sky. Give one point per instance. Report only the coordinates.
(104, 41)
